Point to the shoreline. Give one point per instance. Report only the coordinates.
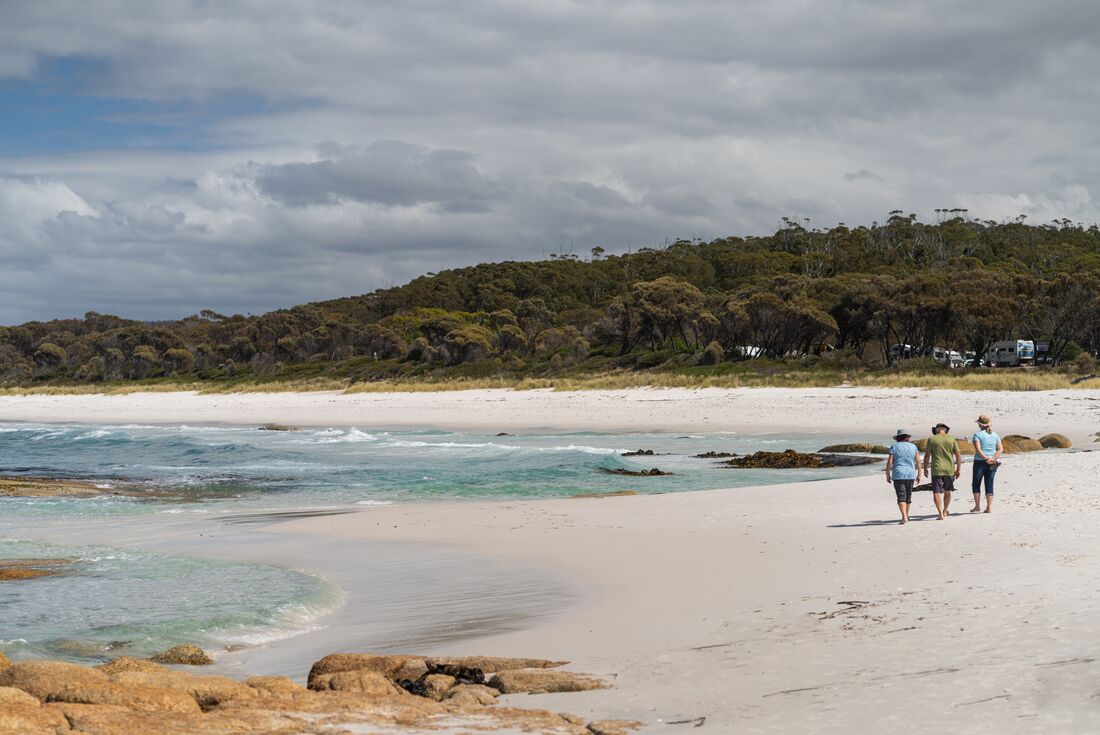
(798, 607)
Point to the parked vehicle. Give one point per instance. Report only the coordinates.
(1011, 353)
(901, 352)
(946, 357)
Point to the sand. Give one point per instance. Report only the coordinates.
(674, 409)
(786, 608)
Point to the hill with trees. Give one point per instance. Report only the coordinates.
(798, 297)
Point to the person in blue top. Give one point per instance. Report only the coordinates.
(987, 455)
(903, 470)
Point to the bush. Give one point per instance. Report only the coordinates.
(1084, 363)
(712, 355)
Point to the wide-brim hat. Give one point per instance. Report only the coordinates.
(900, 433)
(984, 420)
(945, 426)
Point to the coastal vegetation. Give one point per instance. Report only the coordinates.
(800, 307)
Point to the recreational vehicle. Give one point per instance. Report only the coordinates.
(1011, 353)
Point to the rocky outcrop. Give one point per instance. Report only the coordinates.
(472, 694)
(389, 666)
(17, 569)
(1055, 441)
(613, 727)
(966, 447)
(635, 473)
(4, 663)
(715, 455)
(492, 664)
(542, 681)
(790, 459)
(279, 427)
(856, 448)
(1015, 444)
(129, 663)
(42, 679)
(207, 691)
(56, 697)
(371, 683)
(186, 654)
(639, 453)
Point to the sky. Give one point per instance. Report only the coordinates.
(158, 158)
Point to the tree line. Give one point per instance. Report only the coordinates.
(959, 283)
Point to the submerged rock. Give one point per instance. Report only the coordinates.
(715, 455)
(790, 459)
(186, 654)
(639, 453)
(52, 487)
(279, 427)
(611, 494)
(1055, 441)
(856, 448)
(635, 473)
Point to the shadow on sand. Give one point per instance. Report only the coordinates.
(894, 521)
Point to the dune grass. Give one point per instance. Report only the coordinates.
(726, 376)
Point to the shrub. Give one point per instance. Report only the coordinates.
(712, 355)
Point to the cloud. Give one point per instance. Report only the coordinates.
(864, 175)
(389, 173)
(293, 151)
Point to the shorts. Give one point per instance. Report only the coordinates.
(904, 490)
(984, 473)
(943, 483)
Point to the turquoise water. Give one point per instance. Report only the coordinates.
(233, 467)
(114, 602)
(126, 601)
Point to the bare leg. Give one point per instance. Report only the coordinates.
(946, 504)
(977, 503)
(904, 508)
(988, 503)
(937, 498)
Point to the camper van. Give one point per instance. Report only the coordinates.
(947, 358)
(1011, 353)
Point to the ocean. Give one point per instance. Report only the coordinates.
(129, 592)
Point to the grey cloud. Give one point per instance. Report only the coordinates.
(389, 173)
(863, 175)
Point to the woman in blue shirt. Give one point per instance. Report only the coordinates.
(903, 470)
(987, 453)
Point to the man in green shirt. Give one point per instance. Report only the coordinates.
(942, 453)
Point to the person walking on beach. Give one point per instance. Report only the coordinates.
(943, 463)
(903, 470)
(987, 455)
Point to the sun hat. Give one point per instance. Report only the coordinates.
(945, 426)
(983, 420)
(901, 433)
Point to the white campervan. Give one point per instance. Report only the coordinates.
(1011, 353)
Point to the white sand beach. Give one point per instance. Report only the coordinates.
(787, 608)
